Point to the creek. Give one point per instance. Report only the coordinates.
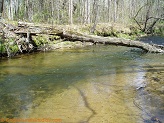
(92, 84)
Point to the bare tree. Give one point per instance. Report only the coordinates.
(52, 10)
(95, 15)
(84, 11)
(71, 11)
(1, 7)
(109, 3)
(149, 22)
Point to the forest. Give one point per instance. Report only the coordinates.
(82, 61)
(140, 16)
(83, 11)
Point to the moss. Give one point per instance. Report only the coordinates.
(67, 42)
(40, 40)
(2, 48)
(14, 48)
(10, 45)
(54, 37)
(56, 41)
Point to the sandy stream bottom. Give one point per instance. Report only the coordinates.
(106, 99)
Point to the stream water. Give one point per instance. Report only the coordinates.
(98, 84)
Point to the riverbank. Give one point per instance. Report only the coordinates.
(12, 43)
(29, 37)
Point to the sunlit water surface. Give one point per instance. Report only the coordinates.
(98, 84)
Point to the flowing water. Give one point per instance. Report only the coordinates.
(98, 84)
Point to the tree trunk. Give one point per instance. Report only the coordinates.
(88, 11)
(111, 41)
(52, 11)
(109, 14)
(1, 7)
(32, 30)
(95, 15)
(11, 10)
(147, 18)
(150, 29)
(71, 11)
(115, 11)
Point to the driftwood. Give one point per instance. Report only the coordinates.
(112, 41)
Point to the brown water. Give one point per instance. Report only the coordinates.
(99, 84)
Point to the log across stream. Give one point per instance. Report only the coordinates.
(113, 41)
(74, 36)
(24, 33)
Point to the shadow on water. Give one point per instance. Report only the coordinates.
(32, 79)
(87, 105)
(22, 82)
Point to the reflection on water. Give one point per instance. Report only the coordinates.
(96, 84)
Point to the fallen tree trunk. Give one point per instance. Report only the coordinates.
(94, 39)
(23, 37)
(111, 41)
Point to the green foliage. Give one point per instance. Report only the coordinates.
(56, 41)
(2, 48)
(159, 30)
(10, 40)
(8, 45)
(14, 49)
(40, 40)
(54, 37)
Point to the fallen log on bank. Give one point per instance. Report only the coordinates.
(24, 35)
(153, 48)
(112, 41)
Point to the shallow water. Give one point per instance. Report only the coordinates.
(93, 84)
